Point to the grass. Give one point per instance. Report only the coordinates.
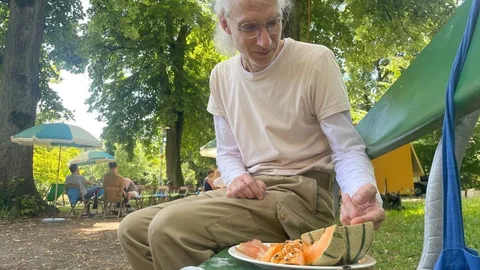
(399, 243)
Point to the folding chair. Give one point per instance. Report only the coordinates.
(113, 195)
(54, 192)
(75, 196)
(161, 194)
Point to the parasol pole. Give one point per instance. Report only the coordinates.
(56, 182)
(54, 219)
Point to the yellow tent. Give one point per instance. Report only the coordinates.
(398, 169)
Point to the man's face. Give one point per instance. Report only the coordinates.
(256, 28)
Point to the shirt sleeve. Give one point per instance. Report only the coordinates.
(352, 165)
(84, 181)
(326, 87)
(214, 102)
(229, 157)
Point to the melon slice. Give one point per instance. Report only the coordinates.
(272, 250)
(254, 249)
(290, 252)
(357, 239)
(327, 250)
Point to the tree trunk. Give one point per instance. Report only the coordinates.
(174, 134)
(174, 161)
(19, 89)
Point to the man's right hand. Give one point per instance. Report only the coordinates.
(245, 187)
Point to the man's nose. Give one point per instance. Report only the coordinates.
(263, 38)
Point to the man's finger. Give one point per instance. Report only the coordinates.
(364, 194)
(350, 209)
(237, 192)
(261, 185)
(244, 189)
(253, 187)
(343, 217)
(233, 192)
(376, 216)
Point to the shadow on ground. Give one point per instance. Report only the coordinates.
(73, 244)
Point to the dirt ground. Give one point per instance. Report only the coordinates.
(73, 244)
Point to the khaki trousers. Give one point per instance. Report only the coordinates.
(189, 231)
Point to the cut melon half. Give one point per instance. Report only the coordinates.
(327, 250)
(357, 240)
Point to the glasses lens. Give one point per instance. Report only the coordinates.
(249, 30)
(273, 26)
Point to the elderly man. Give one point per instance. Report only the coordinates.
(283, 127)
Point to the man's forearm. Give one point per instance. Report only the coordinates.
(229, 158)
(352, 165)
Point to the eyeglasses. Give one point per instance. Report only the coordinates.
(251, 30)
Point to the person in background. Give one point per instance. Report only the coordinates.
(113, 179)
(208, 182)
(131, 191)
(82, 182)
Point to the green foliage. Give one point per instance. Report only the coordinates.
(150, 63)
(144, 168)
(29, 205)
(398, 244)
(13, 205)
(469, 171)
(373, 40)
(62, 49)
(45, 165)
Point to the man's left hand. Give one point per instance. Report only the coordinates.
(362, 207)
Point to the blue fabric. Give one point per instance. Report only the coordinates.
(47, 131)
(207, 186)
(92, 157)
(73, 195)
(454, 254)
(57, 134)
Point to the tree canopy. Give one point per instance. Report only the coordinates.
(150, 63)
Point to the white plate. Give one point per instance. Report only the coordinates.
(369, 261)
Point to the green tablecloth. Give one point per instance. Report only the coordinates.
(224, 261)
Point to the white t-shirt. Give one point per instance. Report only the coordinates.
(274, 114)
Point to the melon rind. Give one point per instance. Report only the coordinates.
(333, 253)
(357, 241)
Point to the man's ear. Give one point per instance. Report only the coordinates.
(224, 24)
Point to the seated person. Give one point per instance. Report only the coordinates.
(208, 182)
(215, 181)
(130, 188)
(81, 181)
(113, 179)
(130, 191)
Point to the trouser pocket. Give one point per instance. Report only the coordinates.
(310, 210)
(233, 229)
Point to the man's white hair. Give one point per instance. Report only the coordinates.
(223, 41)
